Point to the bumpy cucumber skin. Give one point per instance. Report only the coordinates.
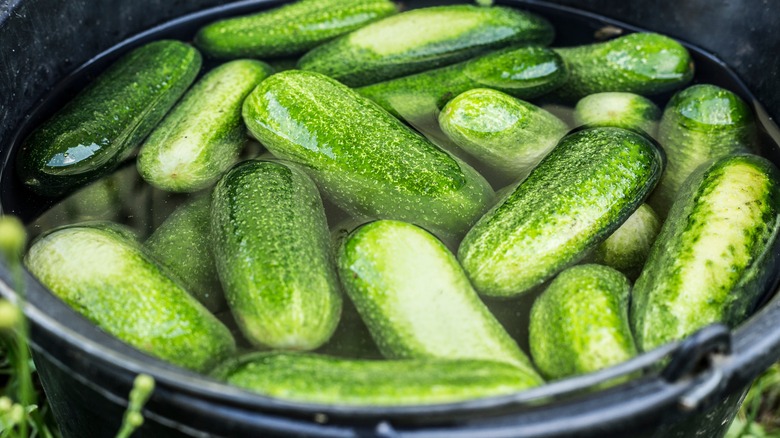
(507, 134)
(289, 30)
(273, 253)
(365, 160)
(628, 247)
(100, 127)
(641, 63)
(700, 123)
(574, 199)
(104, 274)
(711, 260)
(204, 134)
(183, 245)
(525, 72)
(416, 300)
(322, 379)
(580, 323)
(423, 39)
(624, 110)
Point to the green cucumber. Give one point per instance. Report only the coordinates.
(713, 258)
(103, 273)
(624, 110)
(365, 160)
(273, 253)
(100, 127)
(289, 30)
(423, 39)
(183, 245)
(524, 72)
(641, 63)
(575, 198)
(700, 123)
(628, 247)
(416, 300)
(509, 135)
(580, 323)
(322, 379)
(203, 135)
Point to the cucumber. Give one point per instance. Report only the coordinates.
(274, 258)
(628, 247)
(351, 338)
(100, 127)
(423, 39)
(574, 199)
(204, 134)
(183, 245)
(641, 63)
(580, 323)
(700, 123)
(306, 377)
(509, 135)
(714, 257)
(624, 110)
(289, 30)
(365, 160)
(100, 271)
(416, 300)
(524, 72)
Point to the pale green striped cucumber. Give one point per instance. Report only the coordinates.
(423, 39)
(628, 247)
(103, 273)
(713, 258)
(509, 135)
(273, 253)
(306, 377)
(575, 198)
(183, 245)
(417, 301)
(641, 63)
(700, 123)
(365, 160)
(580, 322)
(524, 72)
(203, 134)
(289, 30)
(624, 110)
(100, 127)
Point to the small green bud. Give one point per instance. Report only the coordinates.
(5, 404)
(9, 317)
(13, 238)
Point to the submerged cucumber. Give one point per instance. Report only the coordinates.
(100, 127)
(627, 248)
(713, 258)
(289, 30)
(323, 379)
(365, 160)
(624, 110)
(574, 199)
(104, 274)
(580, 323)
(274, 258)
(423, 39)
(204, 134)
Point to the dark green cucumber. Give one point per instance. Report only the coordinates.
(365, 160)
(628, 247)
(525, 72)
(700, 123)
(323, 379)
(624, 110)
(103, 273)
(580, 323)
(183, 245)
(423, 39)
(203, 134)
(100, 127)
(713, 258)
(273, 253)
(641, 63)
(417, 301)
(575, 198)
(289, 30)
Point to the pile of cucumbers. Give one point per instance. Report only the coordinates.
(634, 229)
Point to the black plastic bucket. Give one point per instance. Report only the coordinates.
(694, 388)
